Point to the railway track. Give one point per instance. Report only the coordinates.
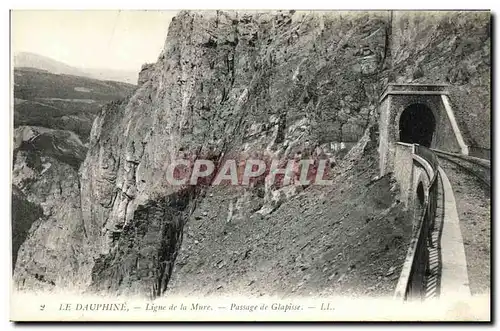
(481, 171)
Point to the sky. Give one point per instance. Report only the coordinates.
(110, 39)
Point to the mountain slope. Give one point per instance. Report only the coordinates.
(46, 207)
(32, 60)
(61, 101)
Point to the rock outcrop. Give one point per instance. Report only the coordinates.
(24, 214)
(145, 74)
(45, 171)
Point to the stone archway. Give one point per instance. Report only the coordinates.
(417, 125)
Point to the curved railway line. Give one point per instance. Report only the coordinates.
(459, 260)
(479, 170)
(472, 190)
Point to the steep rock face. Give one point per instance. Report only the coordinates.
(64, 146)
(24, 213)
(145, 249)
(226, 83)
(448, 48)
(45, 171)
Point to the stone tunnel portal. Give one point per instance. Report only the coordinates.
(417, 125)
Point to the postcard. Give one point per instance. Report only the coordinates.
(238, 165)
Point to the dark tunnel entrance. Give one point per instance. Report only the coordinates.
(417, 125)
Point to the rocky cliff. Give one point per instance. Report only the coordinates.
(235, 85)
(45, 173)
(449, 48)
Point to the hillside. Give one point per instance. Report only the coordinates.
(44, 180)
(61, 101)
(37, 61)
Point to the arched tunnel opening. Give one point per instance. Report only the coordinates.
(417, 125)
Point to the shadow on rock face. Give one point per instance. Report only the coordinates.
(24, 214)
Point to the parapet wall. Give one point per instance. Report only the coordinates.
(403, 170)
(424, 169)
